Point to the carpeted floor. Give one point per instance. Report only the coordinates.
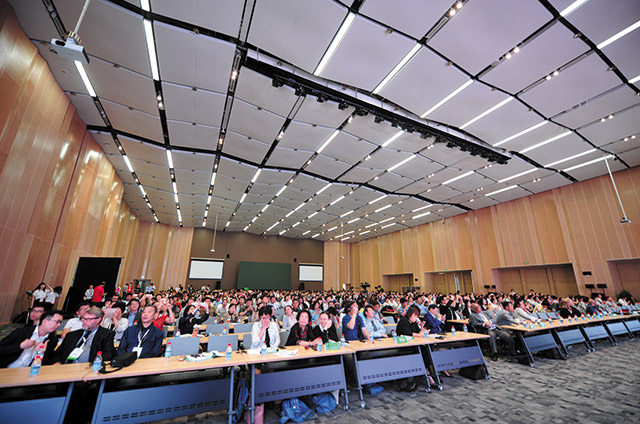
(596, 387)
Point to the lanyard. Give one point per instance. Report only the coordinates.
(141, 336)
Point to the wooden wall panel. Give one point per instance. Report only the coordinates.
(60, 198)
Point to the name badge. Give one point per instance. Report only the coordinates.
(75, 353)
(138, 351)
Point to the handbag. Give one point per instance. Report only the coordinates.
(120, 362)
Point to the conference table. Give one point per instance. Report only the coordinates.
(560, 333)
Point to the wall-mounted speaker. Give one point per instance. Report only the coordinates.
(228, 256)
(586, 273)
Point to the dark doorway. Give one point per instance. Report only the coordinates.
(92, 271)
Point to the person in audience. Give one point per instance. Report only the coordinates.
(482, 324)
(301, 333)
(404, 305)
(505, 316)
(83, 345)
(75, 323)
(288, 319)
(265, 330)
(410, 325)
(434, 322)
(325, 330)
(51, 298)
(21, 346)
(133, 312)
(592, 307)
(567, 309)
(116, 322)
(315, 313)
(372, 325)
(98, 295)
(34, 316)
(88, 294)
(165, 314)
(145, 338)
(39, 294)
(189, 320)
(230, 315)
(352, 324)
(522, 313)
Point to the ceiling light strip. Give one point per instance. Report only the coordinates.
(634, 80)
(392, 139)
(485, 113)
(501, 190)
(517, 175)
(397, 165)
(335, 43)
(151, 49)
(85, 78)
(446, 99)
(572, 7)
(459, 177)
(523, 132)
(421, 215)
(552, 139)
(398, 67)
(329, 140)
(382, 208)
(619, 35)
(379, 198)
(570, 158)
(257, 174)
(591, 162)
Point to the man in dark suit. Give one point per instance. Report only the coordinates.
(20, 347)
(133, 313)
(83, 345)
(482, 324)
(434, 323)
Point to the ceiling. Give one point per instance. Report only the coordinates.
(419, 113)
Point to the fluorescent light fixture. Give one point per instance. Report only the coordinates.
(420, 208)
(573, 6)
(550, 140)
(421, 215)
(571, 157)
(289, 214)
(126, 161)
(245, 228)
(619, 35)
(486, 112)
(151, 48)
(446, 99)
(591, 162)
(385, 220)
(208, 199)
(329, 140)
(346, 238)
(299, 206)
(142, 190)
(213, 178)
(169, 158)
(501, 190)
(312, 215)
(175, 186)
(295, 225)
(397, 69)
(379, 198)
(345, 214)
(634, 80)
(85, 78)
(331, 229)
(336, 201)
(335, 43)
(206, 213)
(394, 137)
(459, 177)
(517, 175)
(282, 232)
(280, 191)
(145, 5)
(270, 228)
(156, 218)
(179, 215)
(227, 224)
(323, 188)
(523, 132)
(370, 225)
(254, 219)
(175, 197)
(257, 174)
(383, 208)
(306, 232)
(353, 220)
(204, 223)
(397, 165)
(315, 235)
(264, 208)
(244, 196)
(388, 225)
(346, 234)
(364, 232)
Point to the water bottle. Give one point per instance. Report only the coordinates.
(167, 350)
(343, 341)
(466, 330)
(195, 331)
(453, 331)
(97, 363)
(37, 362)
(371, 338)
(178, 332)
(224, 331)
(229, 351)
(263, 351)
(395, 336)
(319, 346)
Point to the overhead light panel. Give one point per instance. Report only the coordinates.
(273, 226)
(501, 190)
(591, 162)
(421, 215)
(446, 99)
(280, 191)
(504, 180)
(312, 215)
(485, 113)
(393, 138)
(364, 232)
(329, 140)
(572, 7)
(315, 235)
(145, 5)
(170, 159)
(634, 80)
(336, 201)
(379, 198)
(523, 132)
(382, 208)
(213, 178)
(175, 198)
(388, 225)
(323, 188)
(570, 158)
(244, 196)
(306, 232)
(353, 220)
(335, 43)
(144, 193)
(459, 177)
(346, 213)
(619, 35)
(151, 48)
(397, 69)
(397, 165)
(257, 174)
(264, 208)
(550, 140)
(85, 78)
(421, 208)
(126, 161)
(385, 220)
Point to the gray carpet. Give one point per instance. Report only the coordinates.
(597, 387)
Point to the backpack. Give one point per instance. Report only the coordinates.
(295, 410)
(242, 396)
(324, 402)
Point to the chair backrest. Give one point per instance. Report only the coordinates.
(284, 335)
(246, 341)
(242, 328)
(552, 315)
(220, 343)
(339, 330)
(542, 315)
(217, 328)
(279, 313)
(210, 320)
(165, 330)
(389, 329)
(184, 345)
(389, 320)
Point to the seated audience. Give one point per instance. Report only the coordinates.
(352, 324)
(288, 318)
(372, 325)
(165, 314)
(75, 323)
(83, 345)
(189, 320)
(435, 322)
(522, 313)
(145, 338)
(482, 324)
(265, 330)
(116, 321)
(21, 346)
(301, 333)
(325, 329)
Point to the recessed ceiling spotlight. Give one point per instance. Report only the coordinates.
(548, 77)
(626, 139)
(459, 5)
(516, 49)
(602, 120)
(452, 12)
(507, 56)
(555, 73)
(610, 117)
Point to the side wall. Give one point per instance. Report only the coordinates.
(60, 198)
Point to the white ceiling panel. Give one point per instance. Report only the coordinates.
(63, 70)
(217, 15)
(391, 182)
(622, 145)
(106, 142)
(595, 170)
(498, 172)
(236, 170)
(253, 122)
(471, 102)
(470, 183)
(305, 136)
(192, 161)
(599, 20)
(326, 113)
(187, 58)
(133, 121)
(375, 50)
(277, 177)
(550, 50)
(443, 155)
(34, 19)
(622, 125)
(441, 193)
(578, 83)
(417, 187)
(386, 157)
(482, 32)
(505, 196)
(149, 168)
(480, 202)
(144, 151)
(417, 168)
(185, 134)
(348, 148)
(256, 89)
(360, 174)
(288, 158)
(182, 103)
(86, 109)
(549, 182)
(541, 134)
(619, 53)
(559, 149)
(244, 147)
(327, 167)
(631, 157)
(509, 119)
(401, 14)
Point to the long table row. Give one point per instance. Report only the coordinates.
(176, 387)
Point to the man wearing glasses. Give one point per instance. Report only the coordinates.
(20, 347)
(84, 344)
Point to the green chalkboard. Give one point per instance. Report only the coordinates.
(264, 275)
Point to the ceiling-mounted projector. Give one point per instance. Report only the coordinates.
(69, 50)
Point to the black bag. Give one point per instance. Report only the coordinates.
(120, 362)
(475, 372)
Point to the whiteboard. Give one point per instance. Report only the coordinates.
(310, 272)
(207, 269)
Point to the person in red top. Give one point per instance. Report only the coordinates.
(98, 294)
(130, 288)
(165, 314)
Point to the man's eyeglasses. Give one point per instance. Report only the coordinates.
(89, 318)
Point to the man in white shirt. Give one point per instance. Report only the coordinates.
(372, 325)
(20, 347)
(265, 330)
(75, 323)
(88, 295)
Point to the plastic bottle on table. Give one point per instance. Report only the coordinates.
(319, 346)
(395, 336)
(167, 350)
(37, 362)
(453, 331)
(263, 351)
(97, 362)
(466, 330)
(343, 341)
(224, 331)
(229, 351)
